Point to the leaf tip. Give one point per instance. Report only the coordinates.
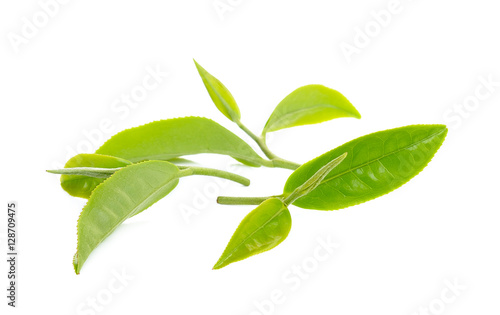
(221, 263)
(354, 112)
(76, 266)
(198, 66)
(218, 265)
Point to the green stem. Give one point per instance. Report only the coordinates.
(194, 170)
(285, 164)
(98, 172)
(261, 141)
(225, 200)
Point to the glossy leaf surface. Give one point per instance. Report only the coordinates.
(82, 186)
(376, 164)
(310, 104)
(219, 94)
(171, 138)
(125, 194)
(261, 230)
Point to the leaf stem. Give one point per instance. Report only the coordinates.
(98, 172)
(261, 141)
(194, 170)
(226, 200)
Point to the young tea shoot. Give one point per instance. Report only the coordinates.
(139, 166)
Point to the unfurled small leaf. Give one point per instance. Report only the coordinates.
(82, 186)
(261, 230)
(125, 194)
(310, 104)
(172, 138)
(376, 164)
(95, 172)
(220, 95)
(314, 181)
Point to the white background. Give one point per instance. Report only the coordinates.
(395, 253)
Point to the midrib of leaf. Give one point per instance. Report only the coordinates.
(383, 156)
(251, 234)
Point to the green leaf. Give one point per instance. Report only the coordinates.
(171, 138)
(310, 104)
(262, 229)
(82, 186)
(125, 194)
(220, 95)
(376, 164)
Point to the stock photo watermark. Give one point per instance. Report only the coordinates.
(449, 294)
(121, 107)
(484, 90)
(205, 196)
(223, 7)
(12, 251)
(366, 33)
(98, 302)
(293, 278)
(31, 26)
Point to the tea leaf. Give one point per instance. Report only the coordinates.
(126, 193)
(219, 94)
(262, 229)
(82, 185)
(310, 104)
(377, 164)
(171, 138)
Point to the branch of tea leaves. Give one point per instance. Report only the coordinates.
(136, 167)
(307, 105)
(371, 166)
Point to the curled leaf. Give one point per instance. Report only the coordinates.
(86, 171)
(314, 181)
(172, 138)
(83, 185)
(310, 104)
(262, 229)
(126, 193)
(376, 164)
(219, 94)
